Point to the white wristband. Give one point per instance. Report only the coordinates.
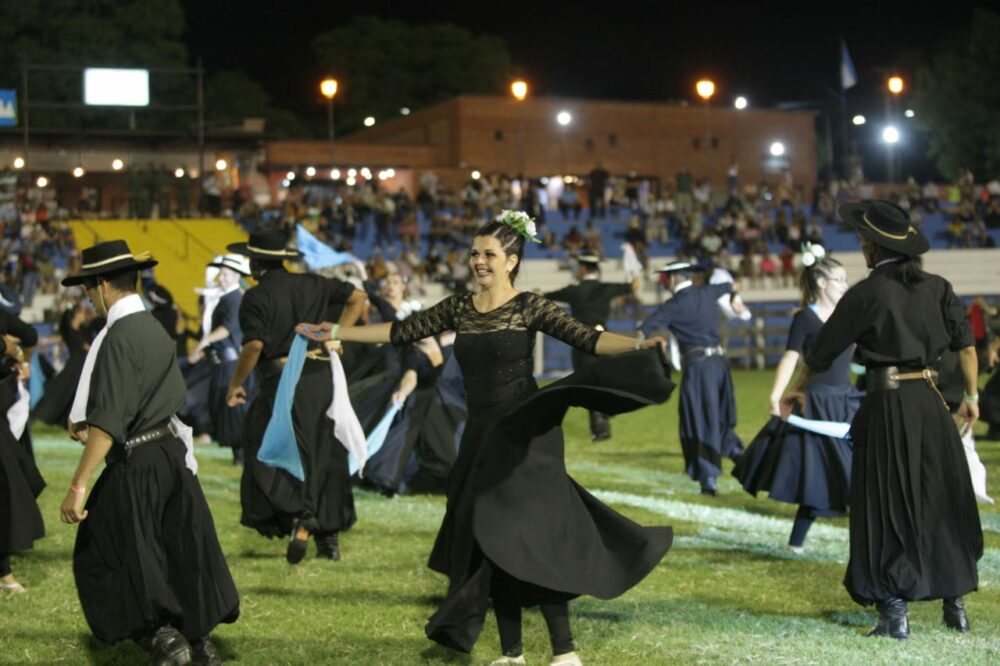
(974, 399)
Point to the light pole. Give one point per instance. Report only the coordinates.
(519, 89)
(329, 89)
(705, 89)
(894, 86)
(564, 118)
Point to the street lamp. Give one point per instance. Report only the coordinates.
(328, 87)
(519, 89)
(564, 118)
(705, 89)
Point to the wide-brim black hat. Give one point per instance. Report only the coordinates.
(683, 267)
(108, 257)
(588, 258)
(267, 245)
(886, 225)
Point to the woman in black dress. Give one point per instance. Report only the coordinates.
(793, 465)
(20, 483)
(78, 327)
(495, 541)
(914, 529)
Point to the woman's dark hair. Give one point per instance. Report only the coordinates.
(510, 241)
(809, 279)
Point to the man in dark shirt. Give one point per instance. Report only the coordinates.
(147, 560)
(275, 502)
(598, 182)
(590, 303)
(707, 403)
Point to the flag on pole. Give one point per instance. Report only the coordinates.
(317, 253)
(848, 77)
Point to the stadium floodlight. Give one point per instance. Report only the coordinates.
(42, 182)
(117, 164)
(564, 118)
(777, 149)
(18, 162)
(890, 135)
(909, 113)
(310, 171)
(179, 172)
(335, 174)
(476, 175)
(221, 165)
(859, 120)
(741, 103)
(78, 172)
(369, 121)
(115, 87)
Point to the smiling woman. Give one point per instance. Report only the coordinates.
(511, 462)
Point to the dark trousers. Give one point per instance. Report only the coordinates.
(5, 565)
(600, 424)
(509, 624)
(804, 519)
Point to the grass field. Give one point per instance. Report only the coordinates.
(727, 592)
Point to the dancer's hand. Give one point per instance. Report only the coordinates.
(236, 396)
(968, 414)
(335, 347)
(71, 511)
(649, 343)
(789, 402)
(318, 332)
(775, 404)
(195, 356)
(994, 356)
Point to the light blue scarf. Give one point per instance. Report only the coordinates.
(376, 439)
(280, 448)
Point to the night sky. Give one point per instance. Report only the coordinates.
(625, 50)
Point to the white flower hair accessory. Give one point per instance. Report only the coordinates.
(520, 222)
(408, 308)
(811, 254)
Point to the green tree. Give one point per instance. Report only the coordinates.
(97, 33)
(385, 65)
(231, 96)
(956, 100)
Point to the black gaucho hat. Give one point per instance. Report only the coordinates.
(267, 245)
(588, 258)
(683, 267)
(886, 225)
(108, 257)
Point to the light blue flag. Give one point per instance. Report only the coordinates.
(36, 385)
(279, 447)
(848, 77)
(377, 437)
(317, 253)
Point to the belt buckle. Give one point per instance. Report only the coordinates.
(892, 377)
(172, 428)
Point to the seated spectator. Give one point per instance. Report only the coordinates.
(592, 239)
(569, 200)
(573, 240)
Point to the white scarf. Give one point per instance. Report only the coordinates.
(128, 305)
(346, 426)
(17, 415)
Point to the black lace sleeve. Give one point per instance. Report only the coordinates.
(543, 315)
(425, 323)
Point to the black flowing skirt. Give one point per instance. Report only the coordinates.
(147, 553)
(54, 406)
(707, 417)
(272, 498)
(801, 467)
(21, 483)
(989, 409)
(198, 379)
(227, 422)
(915, 530)
(517, 526)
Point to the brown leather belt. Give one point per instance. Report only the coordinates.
(888, 378)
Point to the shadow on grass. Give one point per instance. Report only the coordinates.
(437, 653)
(386, 597)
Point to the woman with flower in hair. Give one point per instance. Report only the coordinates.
(791, 464)
(518, 530)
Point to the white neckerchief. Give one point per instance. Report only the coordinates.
(128, 305)
(682, 286)
(210, 299)
(590, 276)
